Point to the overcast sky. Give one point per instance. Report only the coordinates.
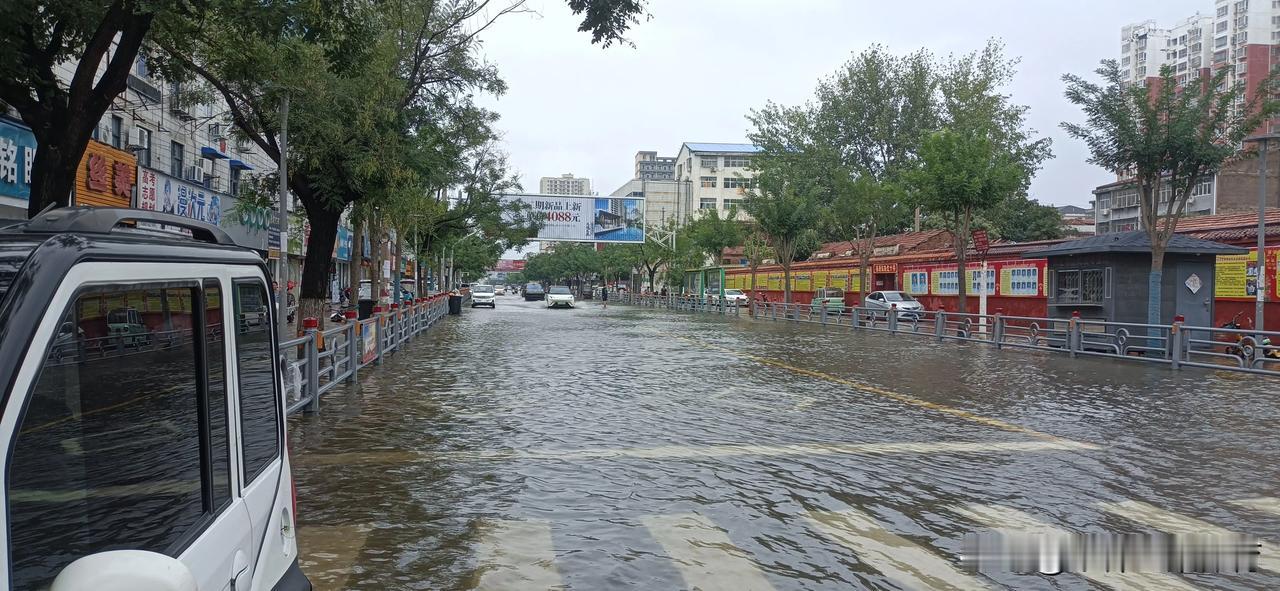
(699, 66)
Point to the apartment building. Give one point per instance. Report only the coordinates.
(1240, 36)
(717, 176)
(565, 184)
(652, 167)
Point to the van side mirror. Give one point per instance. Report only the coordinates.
(125, 570)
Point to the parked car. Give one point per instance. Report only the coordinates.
(830, 298)
(500, 290)
(482, 295)
(117, 479)
(559, 295)
(533, 291)
(125, 325)
(907, 306)
(735, 296)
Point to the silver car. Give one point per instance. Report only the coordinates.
(906, 305)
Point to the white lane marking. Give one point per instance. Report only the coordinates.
(329, 553)
(897, 558)
(1173, 523)
(1264, 504)
(517, 554)
(1006, 518)
(706, 557)
(798, 449)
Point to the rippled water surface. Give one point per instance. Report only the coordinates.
(524, 448)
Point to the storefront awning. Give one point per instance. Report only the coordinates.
(240, 165)
(211, 153)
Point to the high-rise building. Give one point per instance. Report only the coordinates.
(1240, 36)
(565, 184)
(652, 167)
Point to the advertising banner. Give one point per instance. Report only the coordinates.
(801, 282)
(106, 176)
(342, 247)
(368, 341)
(158, 191)
(820, 279)
(17, 152)
(581, 219)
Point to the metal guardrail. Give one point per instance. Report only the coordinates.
(319, 361)
(1175, 345)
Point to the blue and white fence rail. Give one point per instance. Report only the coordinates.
(318, 361)
(1176, 344)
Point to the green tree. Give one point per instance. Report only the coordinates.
(860, 212)
(1166, 137)
(755, 247)
(102, 41)
(784, 216)
(961, 173)
(1022, 220)
(711, 233)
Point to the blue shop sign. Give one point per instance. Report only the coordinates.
(345, 242)
(17, 153)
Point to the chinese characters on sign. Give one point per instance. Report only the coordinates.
(580, 219)
(158, 192)
(17, 153)
(106, 176)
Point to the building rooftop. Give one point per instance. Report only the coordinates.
(1132, 242)
(905, 242)
(714, 147)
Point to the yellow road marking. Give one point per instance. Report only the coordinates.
(903, 398)
(707, 559)
(1265, 504)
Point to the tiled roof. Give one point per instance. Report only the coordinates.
(1136, 242)
(1224, 221)
(714, 147)
(1078, 222)
(905, 241)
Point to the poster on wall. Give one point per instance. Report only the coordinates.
(368, 341)
(820, 279)
(1021, 280)
(775, 281)
(1236, 276)
(801, 282)
(581, 219)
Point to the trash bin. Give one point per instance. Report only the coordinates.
(455, 304)
(366, 308)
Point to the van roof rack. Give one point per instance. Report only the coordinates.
(105, 220)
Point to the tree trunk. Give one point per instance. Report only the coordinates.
(786, 282)
(752, 301)
(396, 275)
(375, 258)
(53, 171)
(357, 260)
(962, 249)
(1154, 281)
(314, 292)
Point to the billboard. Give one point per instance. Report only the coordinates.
(582, 218)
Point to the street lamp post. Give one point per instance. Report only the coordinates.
(1261, 264)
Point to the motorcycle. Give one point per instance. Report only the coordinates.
(1239, 348)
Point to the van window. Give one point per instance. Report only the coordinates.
(109, 452)
(216, 361)
(259, 407)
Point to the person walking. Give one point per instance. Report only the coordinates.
(604, 297)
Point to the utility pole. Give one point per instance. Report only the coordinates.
(282, 271)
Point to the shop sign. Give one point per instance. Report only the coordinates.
(17, 154)
(343, 245)
(884, 268)
(106, 176)
(886, 251)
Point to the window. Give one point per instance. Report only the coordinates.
(1082, 286)
(918, 282)
(1222, 11)
(140, 66)
(948, 283)
(1220, 56)
(975, 284)
(708, 161)
(736, 162)
(707, 203)
(737, 182)
(234, 180)
(1221, 26)
(733, 203)
(1024, 281)
(1220, 42)
(1125, 61)
(111, 448)
(708, 182)
(117, 132)
(1142, 56)
(216, 361)
(1203, 187)
(259, 407)
(144, 140)
(175, 159)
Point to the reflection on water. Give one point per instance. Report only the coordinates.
(527, 448)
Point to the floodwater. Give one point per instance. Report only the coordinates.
(628, 448)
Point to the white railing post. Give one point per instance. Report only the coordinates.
(311, 327)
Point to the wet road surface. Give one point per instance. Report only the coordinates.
(525, 448)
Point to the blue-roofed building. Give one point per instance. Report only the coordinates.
(715, 175)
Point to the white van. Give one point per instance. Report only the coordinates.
(152, 458)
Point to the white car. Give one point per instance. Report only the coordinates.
(162, 465)
(735, 296)
(482, 295)
(500, 290)
(559, 295)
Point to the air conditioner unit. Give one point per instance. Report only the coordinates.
(194, 174)
(136, 141)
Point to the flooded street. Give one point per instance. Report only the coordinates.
(628, 448)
